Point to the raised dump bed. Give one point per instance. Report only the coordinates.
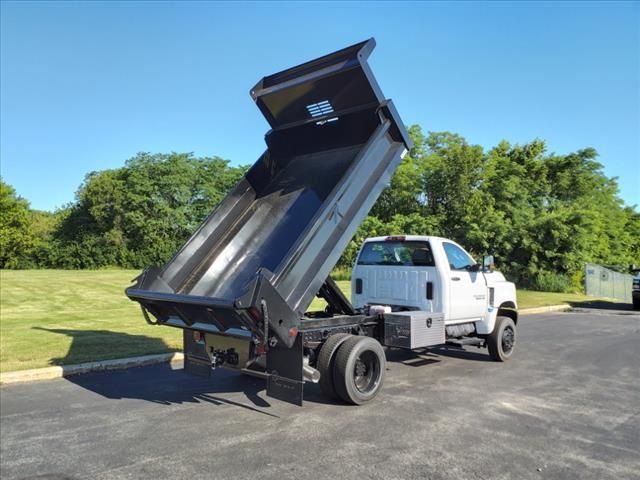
(272, 242)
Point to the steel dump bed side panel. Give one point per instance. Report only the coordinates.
(333, 146)
(318, 252)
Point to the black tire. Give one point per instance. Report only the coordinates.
(325, 362)
(636, 303)
(502, 340)
(359, 369)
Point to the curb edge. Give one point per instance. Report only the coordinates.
(545, 309)
(50, 373)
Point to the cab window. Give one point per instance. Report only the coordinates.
(397, 253)
(458, 258)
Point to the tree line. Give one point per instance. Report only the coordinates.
(541, 214)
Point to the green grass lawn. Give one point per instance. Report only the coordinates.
(57, 317)
(530, 299)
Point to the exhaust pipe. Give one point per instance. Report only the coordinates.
(309, 373)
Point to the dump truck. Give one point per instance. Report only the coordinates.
(241, 286)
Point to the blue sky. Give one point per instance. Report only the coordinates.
(85, 86)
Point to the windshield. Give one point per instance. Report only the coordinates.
(398, 253)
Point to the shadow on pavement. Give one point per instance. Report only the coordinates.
(480, 355)
(411, 358)
(158, 383)
(431, 355)
(602, 305)
(165, 385)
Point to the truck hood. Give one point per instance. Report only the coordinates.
(496, 280)
(504, 292)
(494, 277)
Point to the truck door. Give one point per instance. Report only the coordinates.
(467, 289)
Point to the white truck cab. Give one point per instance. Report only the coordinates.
(433, 274)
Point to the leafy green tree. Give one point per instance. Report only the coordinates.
(43, 226)
(543, 215)
(404, 196)
(140, 214)
(16, 241)
(515, 181)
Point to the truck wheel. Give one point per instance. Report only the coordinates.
(636, 303)
(502, 340)
(359, 369)
(326, 359)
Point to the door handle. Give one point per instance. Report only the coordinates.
(455, 279)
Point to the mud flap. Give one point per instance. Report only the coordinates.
(284, 366)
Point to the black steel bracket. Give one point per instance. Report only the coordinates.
(281, 319)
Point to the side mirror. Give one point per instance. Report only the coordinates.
(487, 263)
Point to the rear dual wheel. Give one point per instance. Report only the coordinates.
(326, 360)
(355, 369)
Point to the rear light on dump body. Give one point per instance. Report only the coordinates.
(255, 313)
(396, 238)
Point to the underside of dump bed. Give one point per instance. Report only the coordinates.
(259, 259)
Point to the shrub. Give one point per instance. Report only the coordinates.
(341, 273)
(544, 281)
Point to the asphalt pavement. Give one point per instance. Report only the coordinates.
(567, 405)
